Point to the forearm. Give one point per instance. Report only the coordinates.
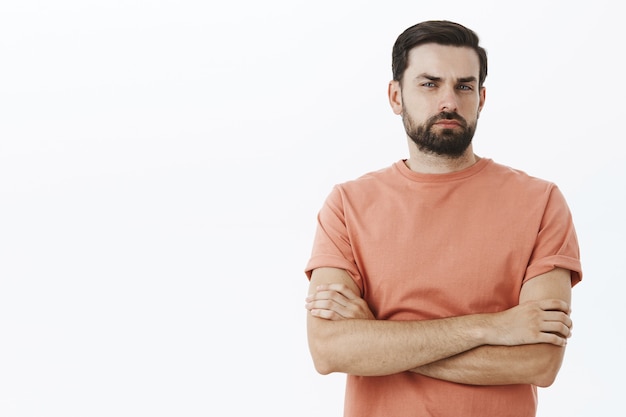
(536, 364)
(378, 347)
(344, 337)
(526, 363)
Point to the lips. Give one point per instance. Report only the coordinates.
(447, 120)
(448, 124)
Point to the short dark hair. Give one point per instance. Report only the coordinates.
(442, 32)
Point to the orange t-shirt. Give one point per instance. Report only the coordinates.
(425, 246)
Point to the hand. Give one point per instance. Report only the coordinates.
(337, 302)
(541, 321)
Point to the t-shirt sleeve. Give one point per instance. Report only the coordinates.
(557, 244)
(331, 245)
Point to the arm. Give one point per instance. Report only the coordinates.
(363, 346)
(536, 364)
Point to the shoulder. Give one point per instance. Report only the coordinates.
(365, 189)
(370, 180)
(517, 180)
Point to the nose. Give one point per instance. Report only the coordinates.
(448, 100)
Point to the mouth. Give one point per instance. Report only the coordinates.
(448, 123)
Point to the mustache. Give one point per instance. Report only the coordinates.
(444, 115)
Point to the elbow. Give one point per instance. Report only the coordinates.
(322, 367)
(548, 368)
(547, 375)
(545, 379)
(323, 339)
(321, 358)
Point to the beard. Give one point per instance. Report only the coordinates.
(451, 143)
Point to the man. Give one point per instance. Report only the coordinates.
(441, 285)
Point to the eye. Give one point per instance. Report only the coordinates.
(465, 87)
(429, 84)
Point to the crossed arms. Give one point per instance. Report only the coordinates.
(522, 345)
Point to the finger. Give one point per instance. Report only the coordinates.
(556, 328)
(325, 314)
(321, 305)
(554, 339)
(554, 305)
(333, 295)
(558, 316)
(341, 289)
(331, 306)
(328, 295)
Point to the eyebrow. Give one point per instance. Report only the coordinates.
(459, 80)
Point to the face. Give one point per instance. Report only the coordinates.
(439, 98)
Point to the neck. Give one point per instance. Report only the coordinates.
(436, 164)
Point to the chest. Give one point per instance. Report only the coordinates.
(428, 258)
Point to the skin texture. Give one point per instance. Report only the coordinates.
(419, 97)
(524, 344)
(537, 364)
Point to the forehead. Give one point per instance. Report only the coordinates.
(443, 61)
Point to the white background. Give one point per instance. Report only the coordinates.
(162, 163)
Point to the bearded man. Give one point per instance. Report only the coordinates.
(441, 285)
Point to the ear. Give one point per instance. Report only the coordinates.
(481, 102)
(394, 92)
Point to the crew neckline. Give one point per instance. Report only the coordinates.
(449, 176)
